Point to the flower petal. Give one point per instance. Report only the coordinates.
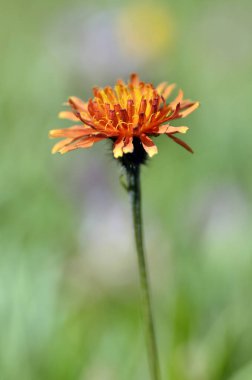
(118, 147)
(177, 100)
(168, 129)
(128, 145)
(167, 92)
(134, 79)
(160, 88)
(83, 143)
(71, 132)
(148, 145)
(189, 110)
(181, 142)
(61, 144)
(68, 115)
(77, 103)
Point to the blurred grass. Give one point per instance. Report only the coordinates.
(58, 319)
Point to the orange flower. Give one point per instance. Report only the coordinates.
(128, 115)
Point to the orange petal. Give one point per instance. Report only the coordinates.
(134, 79)
(167, 92)
(84, 143)
(177, 100)
(118, 147)
(77, 103)
(160, 88)
(57, 147)
(71, 132)
(170, 130)
(189, 110)
(68, 115)
(148, 145)
(181, 142)
(185, 104)
(128, 145)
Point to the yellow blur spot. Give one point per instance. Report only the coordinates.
(145, 30)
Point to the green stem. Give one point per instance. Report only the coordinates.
(133, 174)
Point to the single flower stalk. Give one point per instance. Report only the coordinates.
(129, 115)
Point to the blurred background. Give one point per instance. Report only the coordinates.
(69, 290)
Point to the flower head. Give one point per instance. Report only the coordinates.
(129, 115)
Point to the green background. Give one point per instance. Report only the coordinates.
(69, 305)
